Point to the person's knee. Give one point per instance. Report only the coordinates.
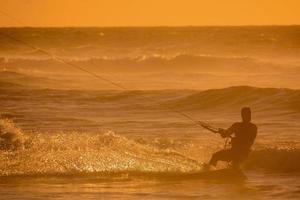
(215, 158)
(214, 155)
(218, 154)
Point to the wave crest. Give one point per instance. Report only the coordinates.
(239, 96)
(178, 62)
(275, 160)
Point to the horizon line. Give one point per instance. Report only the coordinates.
(156, 26)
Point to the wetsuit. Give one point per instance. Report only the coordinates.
(244, 136)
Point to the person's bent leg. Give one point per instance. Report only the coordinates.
(223, 155)
(238, 157)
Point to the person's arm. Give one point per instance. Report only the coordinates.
(227, 132)
(253, 136)
(214, 130)
(208, 127)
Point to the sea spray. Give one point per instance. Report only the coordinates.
(11, 137)
(71, 153)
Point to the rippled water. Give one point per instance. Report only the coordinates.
(262, 186)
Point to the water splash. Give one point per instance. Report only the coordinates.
(85, 153)
(11, 137)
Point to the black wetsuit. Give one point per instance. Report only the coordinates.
(244, 136)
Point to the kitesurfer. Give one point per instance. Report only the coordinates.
(242, 136)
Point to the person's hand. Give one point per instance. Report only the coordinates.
(204, 126)
(222, 132)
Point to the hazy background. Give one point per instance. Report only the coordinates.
(150, 12)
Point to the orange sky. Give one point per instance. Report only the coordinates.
(149, 12)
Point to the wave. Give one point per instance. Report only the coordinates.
(109, 154)
(275, 159)
(8, 85)
(118, 96)
(238, 96)
(179, 62)
(231, 97)
(23, 80)
(11, 75)
(280, 99)
(268, 36)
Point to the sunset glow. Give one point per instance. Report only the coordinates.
(150, 12)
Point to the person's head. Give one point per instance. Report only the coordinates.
(246, 114)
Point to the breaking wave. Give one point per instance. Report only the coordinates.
(150, 63)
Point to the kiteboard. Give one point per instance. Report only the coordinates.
(221, 174)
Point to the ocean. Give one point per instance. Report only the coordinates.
(97, 112)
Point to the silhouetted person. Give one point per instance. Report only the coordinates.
(244, 135)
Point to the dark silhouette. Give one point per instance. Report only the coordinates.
(244, 135)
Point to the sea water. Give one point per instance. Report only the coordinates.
(74, 136)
